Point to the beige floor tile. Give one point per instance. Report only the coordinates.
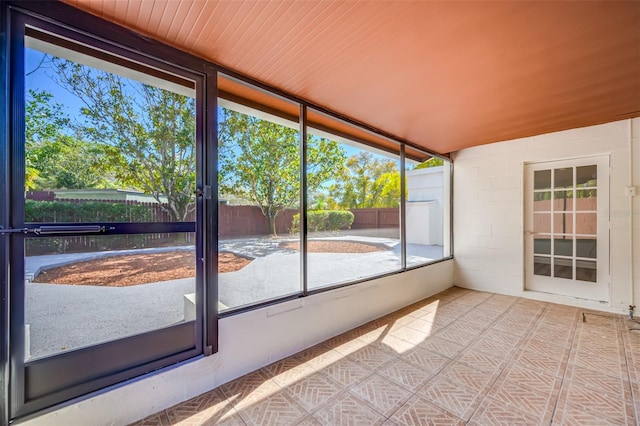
(278, 409)
(405, 374)
(371, 357)
(210, 408)
(158, 419)
(469, 377)
(452, 397)
(429, 361)
(480, 360)
(318, 357)
(456, 336)
(381, 394)
(348, 410)
(314, 391)
(441, 346)
(576, 401)
(419, 411)
(599, 382)
(309, 421)
(496, 413)
(250, 388)
(411, 335)
(346, 372)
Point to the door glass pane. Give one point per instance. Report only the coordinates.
(587, 223)
(563, 223)
(542, 201)
(563, 268)
(563, 245)
(587, 247)
(542, 223)
(104, 143)
(563, 201)
(84, 290)
(563, 178)
(587, 200)
(542, 244)
(587, 176)
(542, 179)
(542, 266)
(586, 271)
(259, 199)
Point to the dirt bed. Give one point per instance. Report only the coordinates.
(334, 247)
(122, 271)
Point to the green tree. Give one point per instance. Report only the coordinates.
(259, 160)
(431, 162)
(44, 121)
(367, 182)
(71, 163)
(150, 132)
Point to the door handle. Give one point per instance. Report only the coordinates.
(532, 233)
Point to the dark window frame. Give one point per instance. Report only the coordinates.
(113, 36)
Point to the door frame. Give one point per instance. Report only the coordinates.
(603, 161)
(157, 348)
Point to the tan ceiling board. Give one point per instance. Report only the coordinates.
(444, 75)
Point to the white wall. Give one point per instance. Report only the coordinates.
(488, 209)
(252, 340)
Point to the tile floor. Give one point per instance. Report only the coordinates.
(460, 357)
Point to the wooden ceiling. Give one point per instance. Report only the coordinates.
(443, 75)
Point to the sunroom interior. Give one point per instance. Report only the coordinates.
(240, 212)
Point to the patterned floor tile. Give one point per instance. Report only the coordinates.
(537, 401)
(314, 391)
(419, 411)
(442, 347)
(411, 335)
(278, 409)
(425, 325)
(309, 421)
(158, 419)
(346, 372)
(288, 370)
(575, 398)
(460, 337)
(348, 410)
(467, 327)
(249, 388)
(405, 374)
(452, 397)
(538, 362)
(597, 381)
(429, 361)
(207, 409)
(496, 413)
(381, 393)
(480, 360)
(318, 357)
(371, 357)
(470, 377)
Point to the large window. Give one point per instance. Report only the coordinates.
(258, 196)
(353, 205)
(428, 208)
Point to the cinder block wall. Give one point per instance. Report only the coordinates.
(489, 216)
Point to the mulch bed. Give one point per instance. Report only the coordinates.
(334, 247)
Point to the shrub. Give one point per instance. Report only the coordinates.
(324, 220)
(90, 211)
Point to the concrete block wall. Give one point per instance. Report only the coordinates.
(489, 216)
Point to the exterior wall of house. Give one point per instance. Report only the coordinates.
(489, 216)
(252, 340)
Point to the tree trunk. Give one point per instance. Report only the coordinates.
(272, 225)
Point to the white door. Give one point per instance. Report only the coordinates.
(567, 227)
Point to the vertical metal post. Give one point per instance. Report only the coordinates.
(303, 199)
(4, 202)
(403, 210)
(210, 238)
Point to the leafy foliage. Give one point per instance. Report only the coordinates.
(431, 162)
(149, 132)
(324, 220)
(259, 160)
(367, 182)
(56, 211)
